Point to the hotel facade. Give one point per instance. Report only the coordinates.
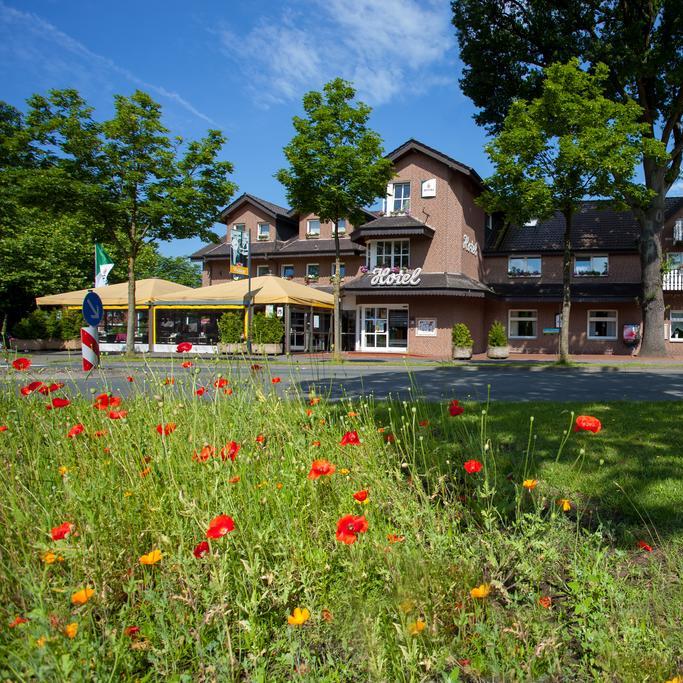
(433, 258)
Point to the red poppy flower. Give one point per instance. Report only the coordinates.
(130, 378)
(62, 531)
(106, 402)
(49, 388)
(169, 380)
(75, 431)
(390, 438)
(395, 538)
(228, 391)
(219, 526)
(166, 429)
(316, 444)
(424, 423)
(361, 496)
(221, 382)
(545, 601)
(256, 367)
(58, 403)
(183, 347)
(3, 428)
(455, 408)
(201, 549)
(275, 380)
(230, 451)
(348, 528)
(99, 433)
(200, 391)
(187, 364)
(321, 468)
(233, 480)
(644, 546)
(21, 364)
(30, 388)
(464, 661)
(117, 414)
(260, 439)
(587, 423)
(203, 455)
(130, 631)
(314, 401)
(350, 439)
(472, 466)
(18, 621)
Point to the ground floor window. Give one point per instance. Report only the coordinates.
(602, 324)
(262, 270)
(384, 327)
(112, 329)
(676, 333)
(194, 326)
(522, 324)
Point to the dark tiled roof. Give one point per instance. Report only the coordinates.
(274, 210)
(446, 284)
(278, 249)
(392, 225)
(415, 145)
(596, 226)
(580, 291)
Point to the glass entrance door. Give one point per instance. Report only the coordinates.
(384, 328)
(297, 330)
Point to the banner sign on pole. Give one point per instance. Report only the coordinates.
(239, 251)
(90, 348)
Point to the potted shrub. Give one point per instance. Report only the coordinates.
(231, 331)
(462, 341)
(38, 331)
(498, 341)
(267, 334)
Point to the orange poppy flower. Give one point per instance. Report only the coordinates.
(530, 484)
(314, 401)
(394, 538)
(352, 413)
(321, 468)
(545, 601)
(166, 429)
(82, 596)
(481, 591)
(169, 380)
(18, 621)
(203, 455)
(70, 630)
(151, 558)
(145, 472)
(233, 480)
(228, 391)
(260, 439)
(316, 444)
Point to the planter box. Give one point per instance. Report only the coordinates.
(267, 349)
(41, 344)
(498, 352)
(236, 348)
(462, 352)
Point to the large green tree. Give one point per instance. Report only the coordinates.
(336, 166)
(506, 45)
(566, 144)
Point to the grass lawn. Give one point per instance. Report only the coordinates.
(439, 575)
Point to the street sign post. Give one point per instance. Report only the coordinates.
(93, 312)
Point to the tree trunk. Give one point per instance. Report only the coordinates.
(566, 287)
(337, 294)
(130, 323)
(652, 299)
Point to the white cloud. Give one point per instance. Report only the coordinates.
(387, 48)
(25, 37)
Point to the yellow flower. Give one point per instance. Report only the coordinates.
(416, 627)
(41, 641)
(151, 558)
(298, 617)
(71, 630)
(343, 470)
(566, 505)
(481, 591)
(407, 605)
(82, 596)
(675, 679)
(49, 557)
(530, 484)
(63, 470)
(127, 494)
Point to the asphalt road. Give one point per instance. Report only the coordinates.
(534, 383)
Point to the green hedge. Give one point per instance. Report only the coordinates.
(267, 329)
(231, 328)
(56, 324)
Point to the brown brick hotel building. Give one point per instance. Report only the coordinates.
(433, 258)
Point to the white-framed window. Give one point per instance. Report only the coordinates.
(602, 325)
(341, 226)
(591, 266)
(676, 326)
(240, 226)
(262, 270)
(522, 324)
(388, 254)
(342, 269)
(263, 231)
(401, 199)
(313, 227)
(312, 271)
(674, 260)
(524, 266)
(287, 270)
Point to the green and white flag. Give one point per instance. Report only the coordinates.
(103, 264)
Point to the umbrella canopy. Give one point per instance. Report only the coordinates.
(267, 289)
(116, 295)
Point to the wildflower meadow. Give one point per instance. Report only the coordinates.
(206, 526)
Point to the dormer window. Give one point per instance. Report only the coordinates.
(524, 266)
(313, 228)
(263, 231)
(400, 202)
(591, 266)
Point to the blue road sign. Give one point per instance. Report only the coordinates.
(93, 310)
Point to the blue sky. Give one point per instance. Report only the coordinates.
(243, 67)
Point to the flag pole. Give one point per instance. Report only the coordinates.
(249, 294)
